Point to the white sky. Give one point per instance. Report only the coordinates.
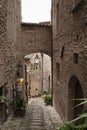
(36, 10)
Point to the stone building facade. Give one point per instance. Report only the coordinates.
(69, 29)
(65, 43)
(10, 19)
(17, 40)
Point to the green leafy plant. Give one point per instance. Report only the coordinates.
(19, 104)
(48, 99)
(3, 99)
(45, 92)
(73, 125)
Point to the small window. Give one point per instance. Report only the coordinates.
(62, 52)
(76, 58)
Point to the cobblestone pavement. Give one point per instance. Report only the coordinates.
(37, 117)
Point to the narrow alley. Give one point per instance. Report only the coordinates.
(38, 117)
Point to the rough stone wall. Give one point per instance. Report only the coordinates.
(3, 34)
(13, 46)
(10, 32)
(13, 41)
(72, 36)
(46, 73)
(36, 38)
(35, 83)
(11, 58)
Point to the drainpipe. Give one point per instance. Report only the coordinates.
(26, 83)
(52, 51)
(42, 72)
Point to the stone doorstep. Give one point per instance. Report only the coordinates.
(37, 121)
(37, 112)
(36, 115)
(35, 118)
(36, 124)
(36, 128)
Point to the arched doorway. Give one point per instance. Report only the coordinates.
(38, 74)
(75, 92)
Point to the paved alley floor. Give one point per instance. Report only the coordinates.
(37, 117)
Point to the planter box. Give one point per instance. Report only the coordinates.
(49, 102)
(2, 112)
(19, 112)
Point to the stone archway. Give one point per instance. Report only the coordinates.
(75, 92)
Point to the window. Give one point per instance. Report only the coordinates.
(62, 52)
(75, 58)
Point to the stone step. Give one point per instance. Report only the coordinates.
(36, 124)
(36, 128)
(38, 121)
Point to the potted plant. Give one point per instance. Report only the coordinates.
(3, 99)
(3, 107)
(48, 99)
(19, 107)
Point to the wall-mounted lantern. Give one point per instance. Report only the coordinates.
(20, 80)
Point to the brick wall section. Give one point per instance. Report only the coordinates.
(36, 38)
(72, 35)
